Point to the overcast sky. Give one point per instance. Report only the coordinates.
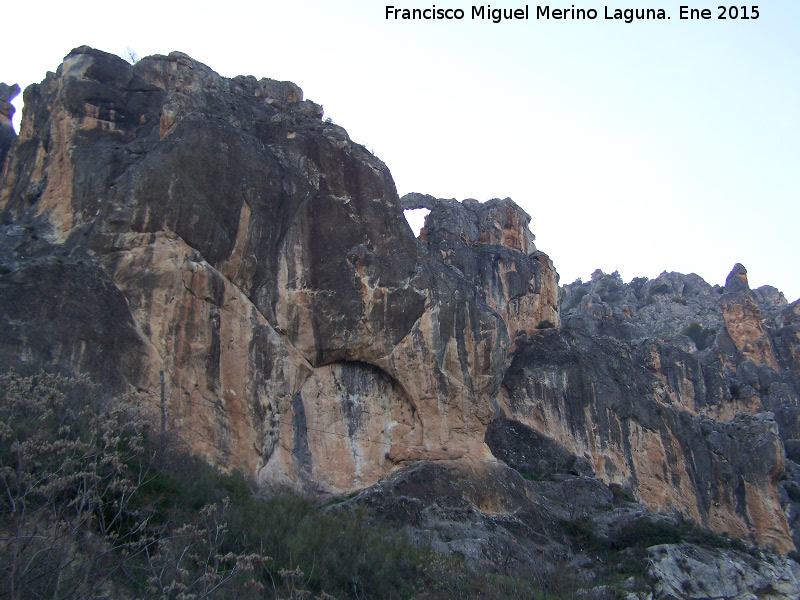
(639, 147)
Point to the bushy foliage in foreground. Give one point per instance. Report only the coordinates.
(75, 517)
(90, 506)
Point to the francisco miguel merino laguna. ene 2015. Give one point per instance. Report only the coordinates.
(497, 15)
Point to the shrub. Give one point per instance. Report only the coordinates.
(659, 288)
(75, 516)
(577, 295)
(581, 529)
(637, 283)
(702, 338)
(643, 533)
(68, 476)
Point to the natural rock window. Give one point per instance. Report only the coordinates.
(416, 218)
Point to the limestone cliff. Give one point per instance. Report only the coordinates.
(260, 259)
(718, 353)
(162, 218)
(491, 245)
(7, 110)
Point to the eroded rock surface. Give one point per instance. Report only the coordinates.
(491, 246)
(685, 572)
(7, 110)
(260, 259)
(718, 351)
(162, 218)
(598, 400)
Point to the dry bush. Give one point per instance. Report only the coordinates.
(76, 520)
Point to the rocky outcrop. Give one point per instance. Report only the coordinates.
(160, 218)
(491, 246)
(686, 572)
(260, 259)
(743, 323)
(744, 340)
(7, 110)
(642, 432)
(718, 353)
(483, 511)
(570, 534)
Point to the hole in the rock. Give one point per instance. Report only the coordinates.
(416, 218)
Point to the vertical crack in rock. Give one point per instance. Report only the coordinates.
(300, 451)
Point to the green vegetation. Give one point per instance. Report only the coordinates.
(644, 533)
(703, 338)
(545, 325)
(577, 295)
(637, 283)
(659, 288)
(610, 288)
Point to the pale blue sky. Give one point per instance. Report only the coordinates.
(641, 147)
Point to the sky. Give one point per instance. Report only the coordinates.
(640, 147)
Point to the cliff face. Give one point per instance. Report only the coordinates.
(725, 358)
(162, 218)
(7, 110)
(619, 413)
(491, 246)
(259, 258)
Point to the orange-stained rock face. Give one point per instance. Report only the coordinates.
(349, 425)
(505, 224)
(629, 418)
(162, 218)
(743, 323)
(743, 320)
(229, 375)
(253, 248)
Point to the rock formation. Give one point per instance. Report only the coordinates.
(724, 354)
(7, 110)
(690, 572)
(743, 322)
(160, 218)
(491, 245)
(261, 260)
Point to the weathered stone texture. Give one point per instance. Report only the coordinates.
(641, 431)
(743, 321)
(7, 110)
(160, 217)
(685, 572)
(250, 251)
(491, 246)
